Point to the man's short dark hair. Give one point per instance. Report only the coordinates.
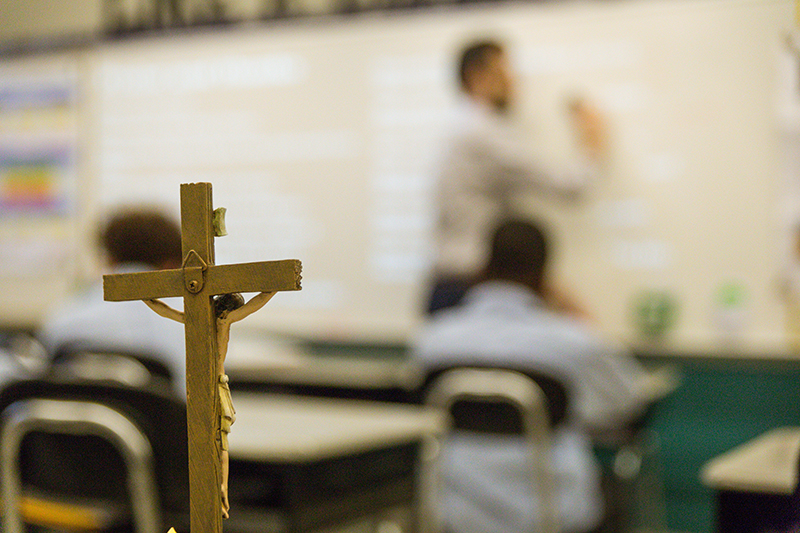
(519, 251)
(142, 236)
(476, 56)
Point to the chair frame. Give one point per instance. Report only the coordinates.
(81, 418)
(527, 397)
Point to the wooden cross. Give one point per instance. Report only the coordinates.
(197, 281)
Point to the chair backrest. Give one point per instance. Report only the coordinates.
(59, 433)
(555, 392)
(503, 401)
(81, 361)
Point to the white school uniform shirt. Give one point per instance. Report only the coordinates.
(486, 487)
(484, 165)
(86, 319)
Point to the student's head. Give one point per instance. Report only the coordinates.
(142, 236)
(486, 75)
(518, 253)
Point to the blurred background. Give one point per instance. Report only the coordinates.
(319, 124)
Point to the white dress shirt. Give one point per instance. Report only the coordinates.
(86, 318)
(484, 166)
(505, 324)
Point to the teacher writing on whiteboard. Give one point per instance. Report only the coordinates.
(486, 163)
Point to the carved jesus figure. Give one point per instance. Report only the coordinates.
(228, 308)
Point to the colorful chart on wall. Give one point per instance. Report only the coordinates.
(39, 174)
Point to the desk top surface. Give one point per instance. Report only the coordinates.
(253, 361)
(257, 360)
(281, 428)
(767, 464)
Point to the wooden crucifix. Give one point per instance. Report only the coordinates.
(198, 281)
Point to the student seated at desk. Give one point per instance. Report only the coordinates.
(505, 321)
(132, 240)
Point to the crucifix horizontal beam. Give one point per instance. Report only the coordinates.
(224, 279)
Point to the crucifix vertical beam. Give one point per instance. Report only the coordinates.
(205, 478)
(198, 281)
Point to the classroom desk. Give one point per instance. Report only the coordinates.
(757, 483)
(768, 464)
(305, 464)
(277, 367)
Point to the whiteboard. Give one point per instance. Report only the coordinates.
(321, 138)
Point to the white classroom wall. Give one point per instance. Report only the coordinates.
(320, 137)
